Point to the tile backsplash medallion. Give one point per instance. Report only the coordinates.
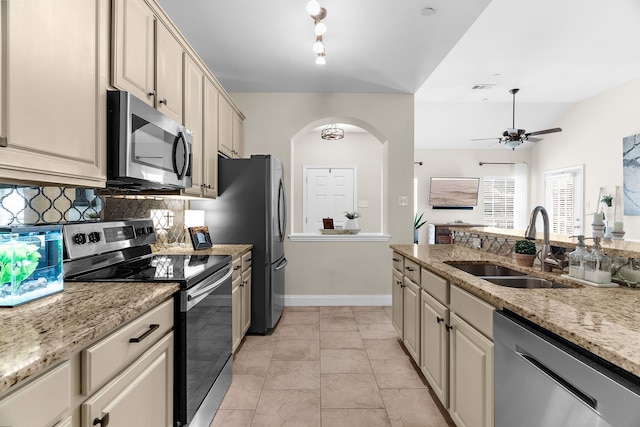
(58, 205)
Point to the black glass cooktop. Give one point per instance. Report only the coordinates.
(184, 269)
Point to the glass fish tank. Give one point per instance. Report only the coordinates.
(30, 263)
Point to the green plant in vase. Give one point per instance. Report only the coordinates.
(351, 223)
(525, 252)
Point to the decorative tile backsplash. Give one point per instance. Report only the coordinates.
(58, 205)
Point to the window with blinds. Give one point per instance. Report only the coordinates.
(498, 200)
(560, 200)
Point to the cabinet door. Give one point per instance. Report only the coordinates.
(210, 142)
(246, 301)
(397, 303)
(412, 318)
(53, 91)
(236, 312)
(225, 123)
(238, 135)
(133, 52)
(193, 115)
(169, 54)
(471, 376)
(141, 396)
(434, 346)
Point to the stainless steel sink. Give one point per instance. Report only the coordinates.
(525, 282)
(486, 269)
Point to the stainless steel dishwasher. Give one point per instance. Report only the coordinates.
(541, 380)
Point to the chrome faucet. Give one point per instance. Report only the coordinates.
(547, 260)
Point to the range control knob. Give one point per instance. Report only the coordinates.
(94, 237)
(141, 231)
(150, 230)
(80, 238)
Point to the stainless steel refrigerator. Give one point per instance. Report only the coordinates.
(251, 208)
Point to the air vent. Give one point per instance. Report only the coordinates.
(482, 86)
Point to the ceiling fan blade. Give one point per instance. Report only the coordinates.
(542, 132)
(534, 139)
(485, 139)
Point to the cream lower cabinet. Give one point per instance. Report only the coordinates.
(140, 396)
(241, 299)
(412, 318)
(54, 62)
(434, 341)
(397, 300)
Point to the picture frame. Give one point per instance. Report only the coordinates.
(200, 237)
(327, 223)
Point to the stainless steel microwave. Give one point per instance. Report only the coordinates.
(146, 150)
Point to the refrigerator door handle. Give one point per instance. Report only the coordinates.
(281, 265)
(282, 211)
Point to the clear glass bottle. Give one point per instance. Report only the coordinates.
(576, 259)
(597, 265)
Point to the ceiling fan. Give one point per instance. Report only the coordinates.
(513, 137)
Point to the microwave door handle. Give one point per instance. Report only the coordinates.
(185, 166)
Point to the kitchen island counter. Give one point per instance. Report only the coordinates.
(605, 321)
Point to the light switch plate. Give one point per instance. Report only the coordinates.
(403, 201)
(363, 203)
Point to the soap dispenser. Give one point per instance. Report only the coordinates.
(597, 265)
(577, 258)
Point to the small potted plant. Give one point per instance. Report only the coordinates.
(352, 222)
(525, 252)
(607, 199)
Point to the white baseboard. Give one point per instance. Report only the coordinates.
(337, 300)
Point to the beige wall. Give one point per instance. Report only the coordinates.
(459, 163)
(338, 268)
(592, 135)
(360, 150)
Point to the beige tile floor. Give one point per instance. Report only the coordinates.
(330, 367)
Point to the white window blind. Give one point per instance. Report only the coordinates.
(498, 201)
(560, 191)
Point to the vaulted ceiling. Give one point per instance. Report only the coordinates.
(557, 52)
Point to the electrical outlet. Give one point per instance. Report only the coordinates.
(363, 203)
(403, 201)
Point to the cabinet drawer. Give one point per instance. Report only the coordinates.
(398, 262)
(237, 267)
(476, 312)
(106, 358)
(40, 401)
(412, 270)
(246, 261)
(435, 285)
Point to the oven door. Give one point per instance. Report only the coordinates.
(146, 148)
(202, 349)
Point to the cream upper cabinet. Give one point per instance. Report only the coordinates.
(169, 54)
(134, 49)
(193, 120)
(210, 141)
(147, 58)
(54, 62)
(225, 130)
(238, 135)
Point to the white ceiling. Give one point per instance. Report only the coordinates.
(557, 52)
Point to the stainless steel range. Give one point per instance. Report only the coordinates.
(121, 252)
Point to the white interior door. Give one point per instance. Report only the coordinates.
(329, 193)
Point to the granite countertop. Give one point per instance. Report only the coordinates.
(40, 333)
(605, 321)
(233, 250)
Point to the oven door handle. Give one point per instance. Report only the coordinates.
(210, 288)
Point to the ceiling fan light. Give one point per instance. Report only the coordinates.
(313, 7)
(513, 144)
(320, 28)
